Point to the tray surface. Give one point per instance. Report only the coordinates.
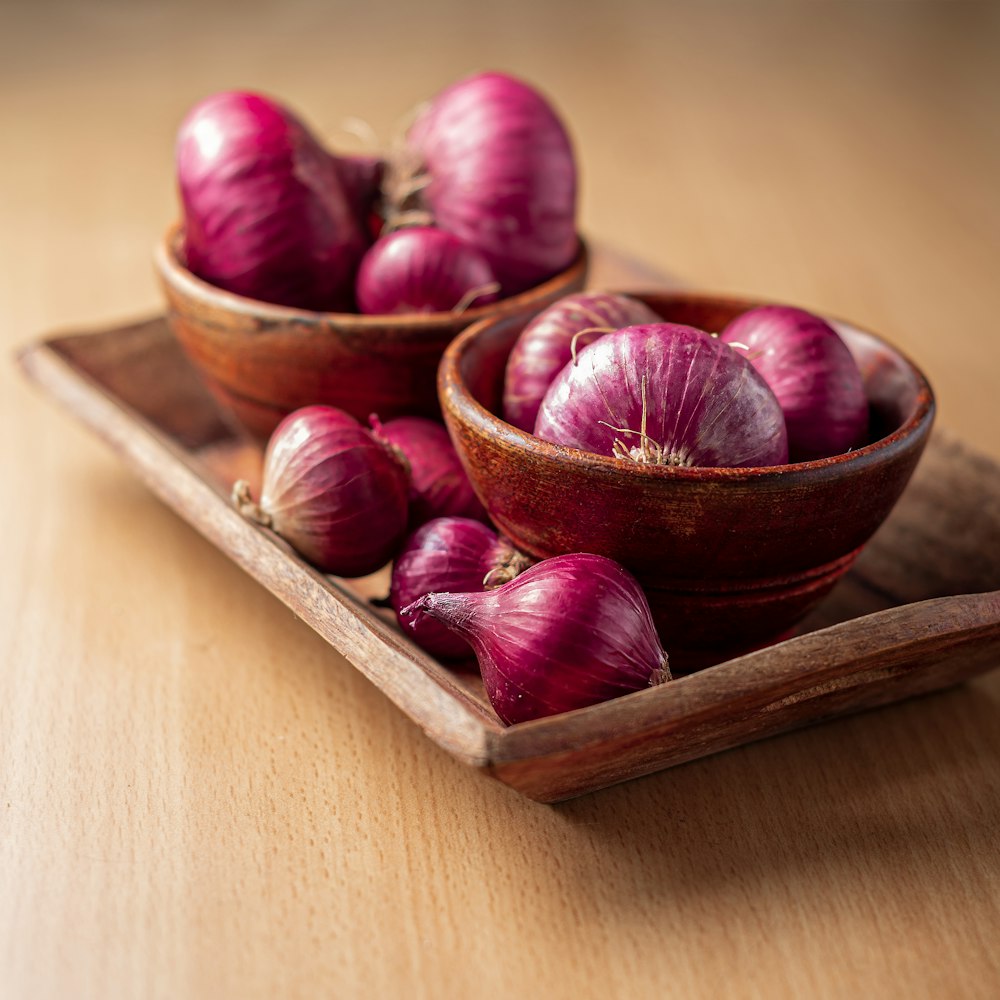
(919, 611)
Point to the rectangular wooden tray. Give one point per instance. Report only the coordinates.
(919, 612)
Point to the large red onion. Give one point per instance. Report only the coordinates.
(812, 373)
(266, 213)
(333, 491)
(665, 394)
(421, 269)
(439, 486)
(500, 174)
(453, 554)
(570, 631)
(548, 342)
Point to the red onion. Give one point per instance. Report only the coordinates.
(333, 491)
(665, 394)
(422, 270)
(265, 209)
(812, 373)
(493, 164)
(439, 486)
(453, 554)
(549, 341)
(568, 632)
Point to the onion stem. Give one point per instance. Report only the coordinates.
(474, 293)
(580, 333)
(245, 504)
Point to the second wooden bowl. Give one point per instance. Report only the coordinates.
(262, 361)
(729, 558)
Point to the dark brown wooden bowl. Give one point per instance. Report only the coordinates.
(729, 558)
(262, 361)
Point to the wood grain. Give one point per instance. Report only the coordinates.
(875, 657)
(198, 799)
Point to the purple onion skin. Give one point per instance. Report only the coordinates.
(266, 214)
(706, 405)
(439, 486)
(334, 492)
(361, 178)
(545, 346)
(570, 631)
(454, 554)
(423, 270)
(502, 176)
(812, 373)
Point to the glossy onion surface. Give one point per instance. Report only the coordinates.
(665, 394)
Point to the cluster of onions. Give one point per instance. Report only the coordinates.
(598, 372)
(551, 636)
(603, 374)
(478, 202)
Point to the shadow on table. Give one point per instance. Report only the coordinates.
(865, 793)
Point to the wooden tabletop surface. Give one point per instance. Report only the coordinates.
(199, 798)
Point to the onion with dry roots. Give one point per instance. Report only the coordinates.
(665, 394)
(332, 490)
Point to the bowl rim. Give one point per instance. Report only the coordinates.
(458, 401)
(168, 262)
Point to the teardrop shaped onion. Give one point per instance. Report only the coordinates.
(548, 342)
(812, 373)
(334, 492)
(501, 176)
(665, 394)
(568, 632)
(266, 213)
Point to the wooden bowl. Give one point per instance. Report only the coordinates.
(262, 361)
(729, 558)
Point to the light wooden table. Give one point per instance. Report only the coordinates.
(198, 798)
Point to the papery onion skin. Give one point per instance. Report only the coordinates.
(266, 214)
(334, 492)
(546, 346)
(502, 176)
(705, 405)
(439, 486)
(454, 554)
(811, 372)
(423, 270)
(569, 632)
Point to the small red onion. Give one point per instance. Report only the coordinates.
(665, 394)
(422, 270)
(265, 210)
(549, 341)
(439, 486)
(568, 632)
(493, 164)
(812, 373)
(333, 491)
(453, 554)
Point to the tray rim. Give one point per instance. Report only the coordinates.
(441, 708)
